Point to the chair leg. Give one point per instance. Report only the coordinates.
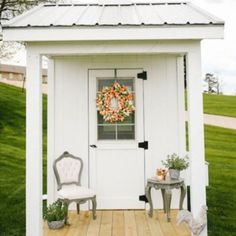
(66, 209)
(78, 208)
(94, 202)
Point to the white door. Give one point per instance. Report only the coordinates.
(116, 164)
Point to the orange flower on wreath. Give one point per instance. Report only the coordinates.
(115, 103)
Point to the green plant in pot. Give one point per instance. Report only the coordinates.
(175, 164)
(55, 215)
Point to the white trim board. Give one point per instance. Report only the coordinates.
(83, 48)
(41, 34)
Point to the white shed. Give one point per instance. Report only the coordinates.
(139, 45)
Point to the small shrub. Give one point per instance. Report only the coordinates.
(55, 212)
(175, 162)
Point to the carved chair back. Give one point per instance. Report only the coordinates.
(68, 169)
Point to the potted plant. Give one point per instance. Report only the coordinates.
(55, 215)
(175, 164)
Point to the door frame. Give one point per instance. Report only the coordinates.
(139, 120)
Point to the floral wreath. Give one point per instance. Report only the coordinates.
(115, 103)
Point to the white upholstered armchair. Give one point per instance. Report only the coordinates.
(68, 170)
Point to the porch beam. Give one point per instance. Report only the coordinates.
(85, 48)
(33, 145)
(196, 131)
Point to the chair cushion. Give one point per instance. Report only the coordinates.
(73, 192)
(68, 169)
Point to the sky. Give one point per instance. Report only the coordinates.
(218, 56)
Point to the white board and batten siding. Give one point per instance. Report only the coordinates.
(163, 91)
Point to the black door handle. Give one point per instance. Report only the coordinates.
(93, 146)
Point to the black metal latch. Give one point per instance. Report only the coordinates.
(142, 75)
(143, 198)
(93, 146)
(143, 145)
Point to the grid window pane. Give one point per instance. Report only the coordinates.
(105, 83)
(124, 130)
(107, 132)
(129, 83)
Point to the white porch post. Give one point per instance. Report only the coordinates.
(181, 106)
(33, 145)
(196, 130)
(51, 133)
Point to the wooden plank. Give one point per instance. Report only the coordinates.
(73, 223)
(118, 223)
(45, 229)
(166, 226)
(142, 224)
(154, 225)
(82, 225)
(181, 229)
(106, 224)
(94, 226)
(130, 224)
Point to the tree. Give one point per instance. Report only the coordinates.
(8, 49)
(8, 10)
(11, 8)
(213, 83)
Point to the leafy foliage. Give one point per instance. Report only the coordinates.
(9, 49)
(8, 10)
(175, 162)
(55, 212)
(11, 8)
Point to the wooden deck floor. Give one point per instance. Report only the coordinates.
(119, 223)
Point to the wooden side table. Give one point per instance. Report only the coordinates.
(166, 186)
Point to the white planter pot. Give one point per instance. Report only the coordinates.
(56, 224)
(174, 174)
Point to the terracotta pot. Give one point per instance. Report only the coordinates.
(174, 174)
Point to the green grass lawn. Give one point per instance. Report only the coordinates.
(220, 105)
(221, 194)
(12, 160)
(220, 152)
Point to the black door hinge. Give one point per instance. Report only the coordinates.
(142, 75)
(143, 198)
(143, 145)
(188, 199)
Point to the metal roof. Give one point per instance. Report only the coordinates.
(103, 14)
